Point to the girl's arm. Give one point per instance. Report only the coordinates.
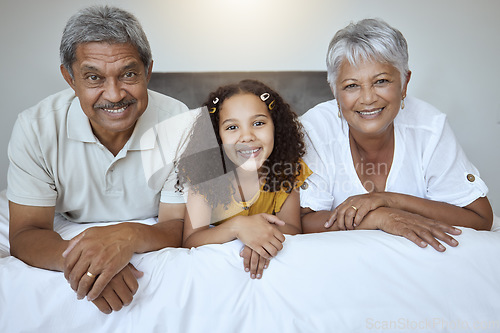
(477, 215)
(255, 231)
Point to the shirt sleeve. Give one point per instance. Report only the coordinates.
(316, 192)
(30, 179)
(178, 129)
(450, 176)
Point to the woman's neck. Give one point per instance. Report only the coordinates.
(371, 148)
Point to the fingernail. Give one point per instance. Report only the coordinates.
(454, 242)
(326, 225)
(259, 276)
(355, 225)
(265, 266)
(247, 270)
(253, 276)
(424, 244)
(441, 247)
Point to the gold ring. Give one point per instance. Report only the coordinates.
(90, 275)
(355, 209)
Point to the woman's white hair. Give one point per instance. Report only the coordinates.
(368, 39)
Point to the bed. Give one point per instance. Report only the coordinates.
(349, 281)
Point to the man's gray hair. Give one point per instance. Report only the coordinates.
(103, 24)
(368, 39)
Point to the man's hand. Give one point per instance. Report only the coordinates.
(95, 256)
(120, 290)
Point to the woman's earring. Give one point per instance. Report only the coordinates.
(339, 114)
(403, 103)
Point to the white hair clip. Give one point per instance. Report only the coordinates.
(264, 96)
(216, 100)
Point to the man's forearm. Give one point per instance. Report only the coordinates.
(158, 236)
(39, 248)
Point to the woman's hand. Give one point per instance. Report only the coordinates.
(253, 262)
(420, 230)
(258, 233)
(351, 212)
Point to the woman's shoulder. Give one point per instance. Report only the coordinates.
(321, 113)
(420, 115)
(322, 119)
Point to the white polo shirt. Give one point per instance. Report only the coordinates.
(55, 160)
(428, 162)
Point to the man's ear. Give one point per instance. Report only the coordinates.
(67, 77)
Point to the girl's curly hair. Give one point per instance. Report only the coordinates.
(204, 158)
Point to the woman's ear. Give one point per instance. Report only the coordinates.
(405, 84)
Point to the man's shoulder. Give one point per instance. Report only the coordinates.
(52, 106)
(164, 105)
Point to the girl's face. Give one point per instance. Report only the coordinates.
(369, 95)
(246, 130)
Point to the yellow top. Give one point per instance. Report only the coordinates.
(262, 201)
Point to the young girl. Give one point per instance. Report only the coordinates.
(243, 168)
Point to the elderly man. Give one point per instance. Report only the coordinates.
(80, 153)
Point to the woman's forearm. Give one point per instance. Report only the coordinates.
(478, 215)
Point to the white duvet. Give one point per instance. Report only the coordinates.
(353, 281)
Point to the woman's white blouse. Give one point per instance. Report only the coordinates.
(428, 162)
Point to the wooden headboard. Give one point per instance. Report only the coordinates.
(301, 89)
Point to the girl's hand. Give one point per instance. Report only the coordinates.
(351, 212)
(256, 232)
(253, 262)
(420, 230)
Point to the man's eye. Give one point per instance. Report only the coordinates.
(93, 77)
(129, 75)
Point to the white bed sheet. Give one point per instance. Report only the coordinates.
(360, 281)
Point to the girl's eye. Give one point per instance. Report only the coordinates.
(258, 123)
(231, 127)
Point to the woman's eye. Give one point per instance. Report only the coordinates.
(350, 86)
(381, 81)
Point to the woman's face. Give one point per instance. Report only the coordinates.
(246, 130)
(369, 95)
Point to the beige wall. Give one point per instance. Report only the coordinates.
(454, 47)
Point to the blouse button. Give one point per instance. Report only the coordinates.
(471, 178)
(304, 186)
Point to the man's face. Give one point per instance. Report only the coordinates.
(111, 82)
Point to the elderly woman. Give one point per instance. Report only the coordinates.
(382, 160)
